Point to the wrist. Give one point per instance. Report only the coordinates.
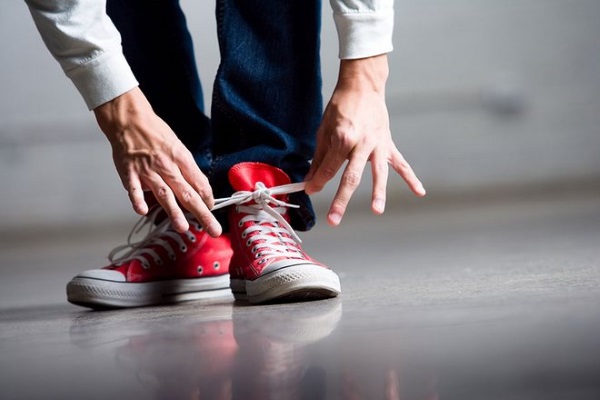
(114, 116)
(369, 73)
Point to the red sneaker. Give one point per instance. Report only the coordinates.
(163, 267)
(268, 263)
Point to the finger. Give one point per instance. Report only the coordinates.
(379, 172)
(392, 385)
(136, 194)
(165, 197)
(350, 181)
(192, 174)
(191, 201)
(317, 160)
(404, 169)
(326, 170)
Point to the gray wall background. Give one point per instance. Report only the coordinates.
(483, 94)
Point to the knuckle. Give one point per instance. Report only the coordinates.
(162, 192)
(403, 165)
(186, 197)
(136, 196)
(180, 154)
(161, 162)
(347, 140)
(328, 172)
(351, 179)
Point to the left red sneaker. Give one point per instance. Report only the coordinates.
(164, 267)
(268, 262)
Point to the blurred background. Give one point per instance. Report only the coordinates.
(489, 285)
(483, 95)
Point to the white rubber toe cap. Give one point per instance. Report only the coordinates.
(103, 274)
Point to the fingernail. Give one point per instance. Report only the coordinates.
(335, 218)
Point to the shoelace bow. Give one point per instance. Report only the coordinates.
(269, 235)
(270, 228)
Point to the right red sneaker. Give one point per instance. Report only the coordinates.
(164, 267)
(268, 262)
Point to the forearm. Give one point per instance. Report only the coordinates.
(87, 45)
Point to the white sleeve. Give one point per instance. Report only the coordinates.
(85, 42)
(364, 27)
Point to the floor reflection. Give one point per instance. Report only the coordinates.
(306, 351)
(226, 353)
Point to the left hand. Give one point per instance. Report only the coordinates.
(355, 127)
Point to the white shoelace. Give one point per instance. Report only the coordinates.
(156, 235)
(271, 234)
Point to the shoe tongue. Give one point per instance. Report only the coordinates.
(244, 176)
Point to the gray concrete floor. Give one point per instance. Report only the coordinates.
(476, 299)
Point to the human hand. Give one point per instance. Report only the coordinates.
(355, 127)
(149, 156)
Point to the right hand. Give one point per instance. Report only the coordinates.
(149, 156)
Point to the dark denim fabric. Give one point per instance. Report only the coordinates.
(266, 102)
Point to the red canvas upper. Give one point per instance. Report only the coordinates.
(205, 257)
(243, 177)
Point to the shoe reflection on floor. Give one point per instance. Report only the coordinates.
(231, 353)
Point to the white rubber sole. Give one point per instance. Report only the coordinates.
(295, 283)
(97, 293)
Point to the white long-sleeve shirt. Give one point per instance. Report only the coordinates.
(83, 39)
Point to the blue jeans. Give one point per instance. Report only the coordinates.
(266, 103)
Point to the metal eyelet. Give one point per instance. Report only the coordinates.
(244, 234)
(183, 248)
(172, 256)
(253, 250)
(217, 265)
(159, 262)
(248, 242)
(200, 269)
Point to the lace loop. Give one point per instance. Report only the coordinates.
(264, 196)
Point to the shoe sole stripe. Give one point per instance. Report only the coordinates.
(97, 293)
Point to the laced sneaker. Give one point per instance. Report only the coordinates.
(268, 262)
(163, 267)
